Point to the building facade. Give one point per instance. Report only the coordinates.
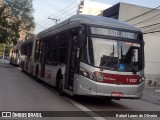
(147, 20)
(91, 8)
(1, 2)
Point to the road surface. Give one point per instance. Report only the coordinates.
(21, 92)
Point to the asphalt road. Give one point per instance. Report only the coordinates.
(20, 92)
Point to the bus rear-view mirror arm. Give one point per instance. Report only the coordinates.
(78, 51)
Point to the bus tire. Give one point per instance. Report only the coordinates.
(59, 83)
(23, 70)
(22, 67)
(60, 88)
(58, 78)
(108, 99)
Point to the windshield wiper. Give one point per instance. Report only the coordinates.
(111, 56)
(134, 70)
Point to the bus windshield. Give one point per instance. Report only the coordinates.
(117, 55)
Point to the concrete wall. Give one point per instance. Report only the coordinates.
(92, 8)
(128, 11)
(152, 41)
(152, 54)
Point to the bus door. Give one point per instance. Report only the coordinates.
(71, 63)
(42, 57)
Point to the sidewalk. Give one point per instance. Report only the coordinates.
(4, 61)
(151, 94)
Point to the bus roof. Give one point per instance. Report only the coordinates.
(102, 21)
(91, 20)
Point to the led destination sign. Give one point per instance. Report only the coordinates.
(113, 33)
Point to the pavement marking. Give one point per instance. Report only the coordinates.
(85, 109)
(18, 68)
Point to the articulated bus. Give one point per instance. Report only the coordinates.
(89, 56)
(14, 55)
(26, 52)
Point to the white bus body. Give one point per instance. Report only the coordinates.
(91, 56)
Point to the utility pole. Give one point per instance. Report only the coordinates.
(56, 20)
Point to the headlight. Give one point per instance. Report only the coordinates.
(87, 74)
(142, 78)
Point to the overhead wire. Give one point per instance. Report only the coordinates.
(149, 25)
(151, 32)
(60, 10)
(63, 12)
(150, 21)
(143, 14)
(151, 29)
(64, 8)
(67, 11)
(146, 19)
(40, 25)
(51, 22)
(68, 15)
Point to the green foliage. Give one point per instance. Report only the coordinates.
(6, 48)
(3, 32)
(15, 15)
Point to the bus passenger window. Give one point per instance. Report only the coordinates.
(63, 48)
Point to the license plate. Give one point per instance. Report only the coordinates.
(117, 94)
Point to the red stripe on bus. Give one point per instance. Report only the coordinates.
(120, 79)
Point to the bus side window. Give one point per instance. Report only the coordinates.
(63, 48)
(49, 46)
(52, 50)
(37, 50)
(40, 51)
(47, 52)
(56, 49)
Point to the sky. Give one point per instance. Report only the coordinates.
(62, 9)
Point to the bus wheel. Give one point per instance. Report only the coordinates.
(22, 68)
(60, 88)
(108, 99)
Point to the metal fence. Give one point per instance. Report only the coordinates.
(152, 80)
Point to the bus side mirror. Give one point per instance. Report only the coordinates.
(78, 51)
(77, 56)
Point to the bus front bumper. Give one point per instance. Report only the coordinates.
(87, 87)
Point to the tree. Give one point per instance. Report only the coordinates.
(3, 32)
(15, 16)
(5, 49)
